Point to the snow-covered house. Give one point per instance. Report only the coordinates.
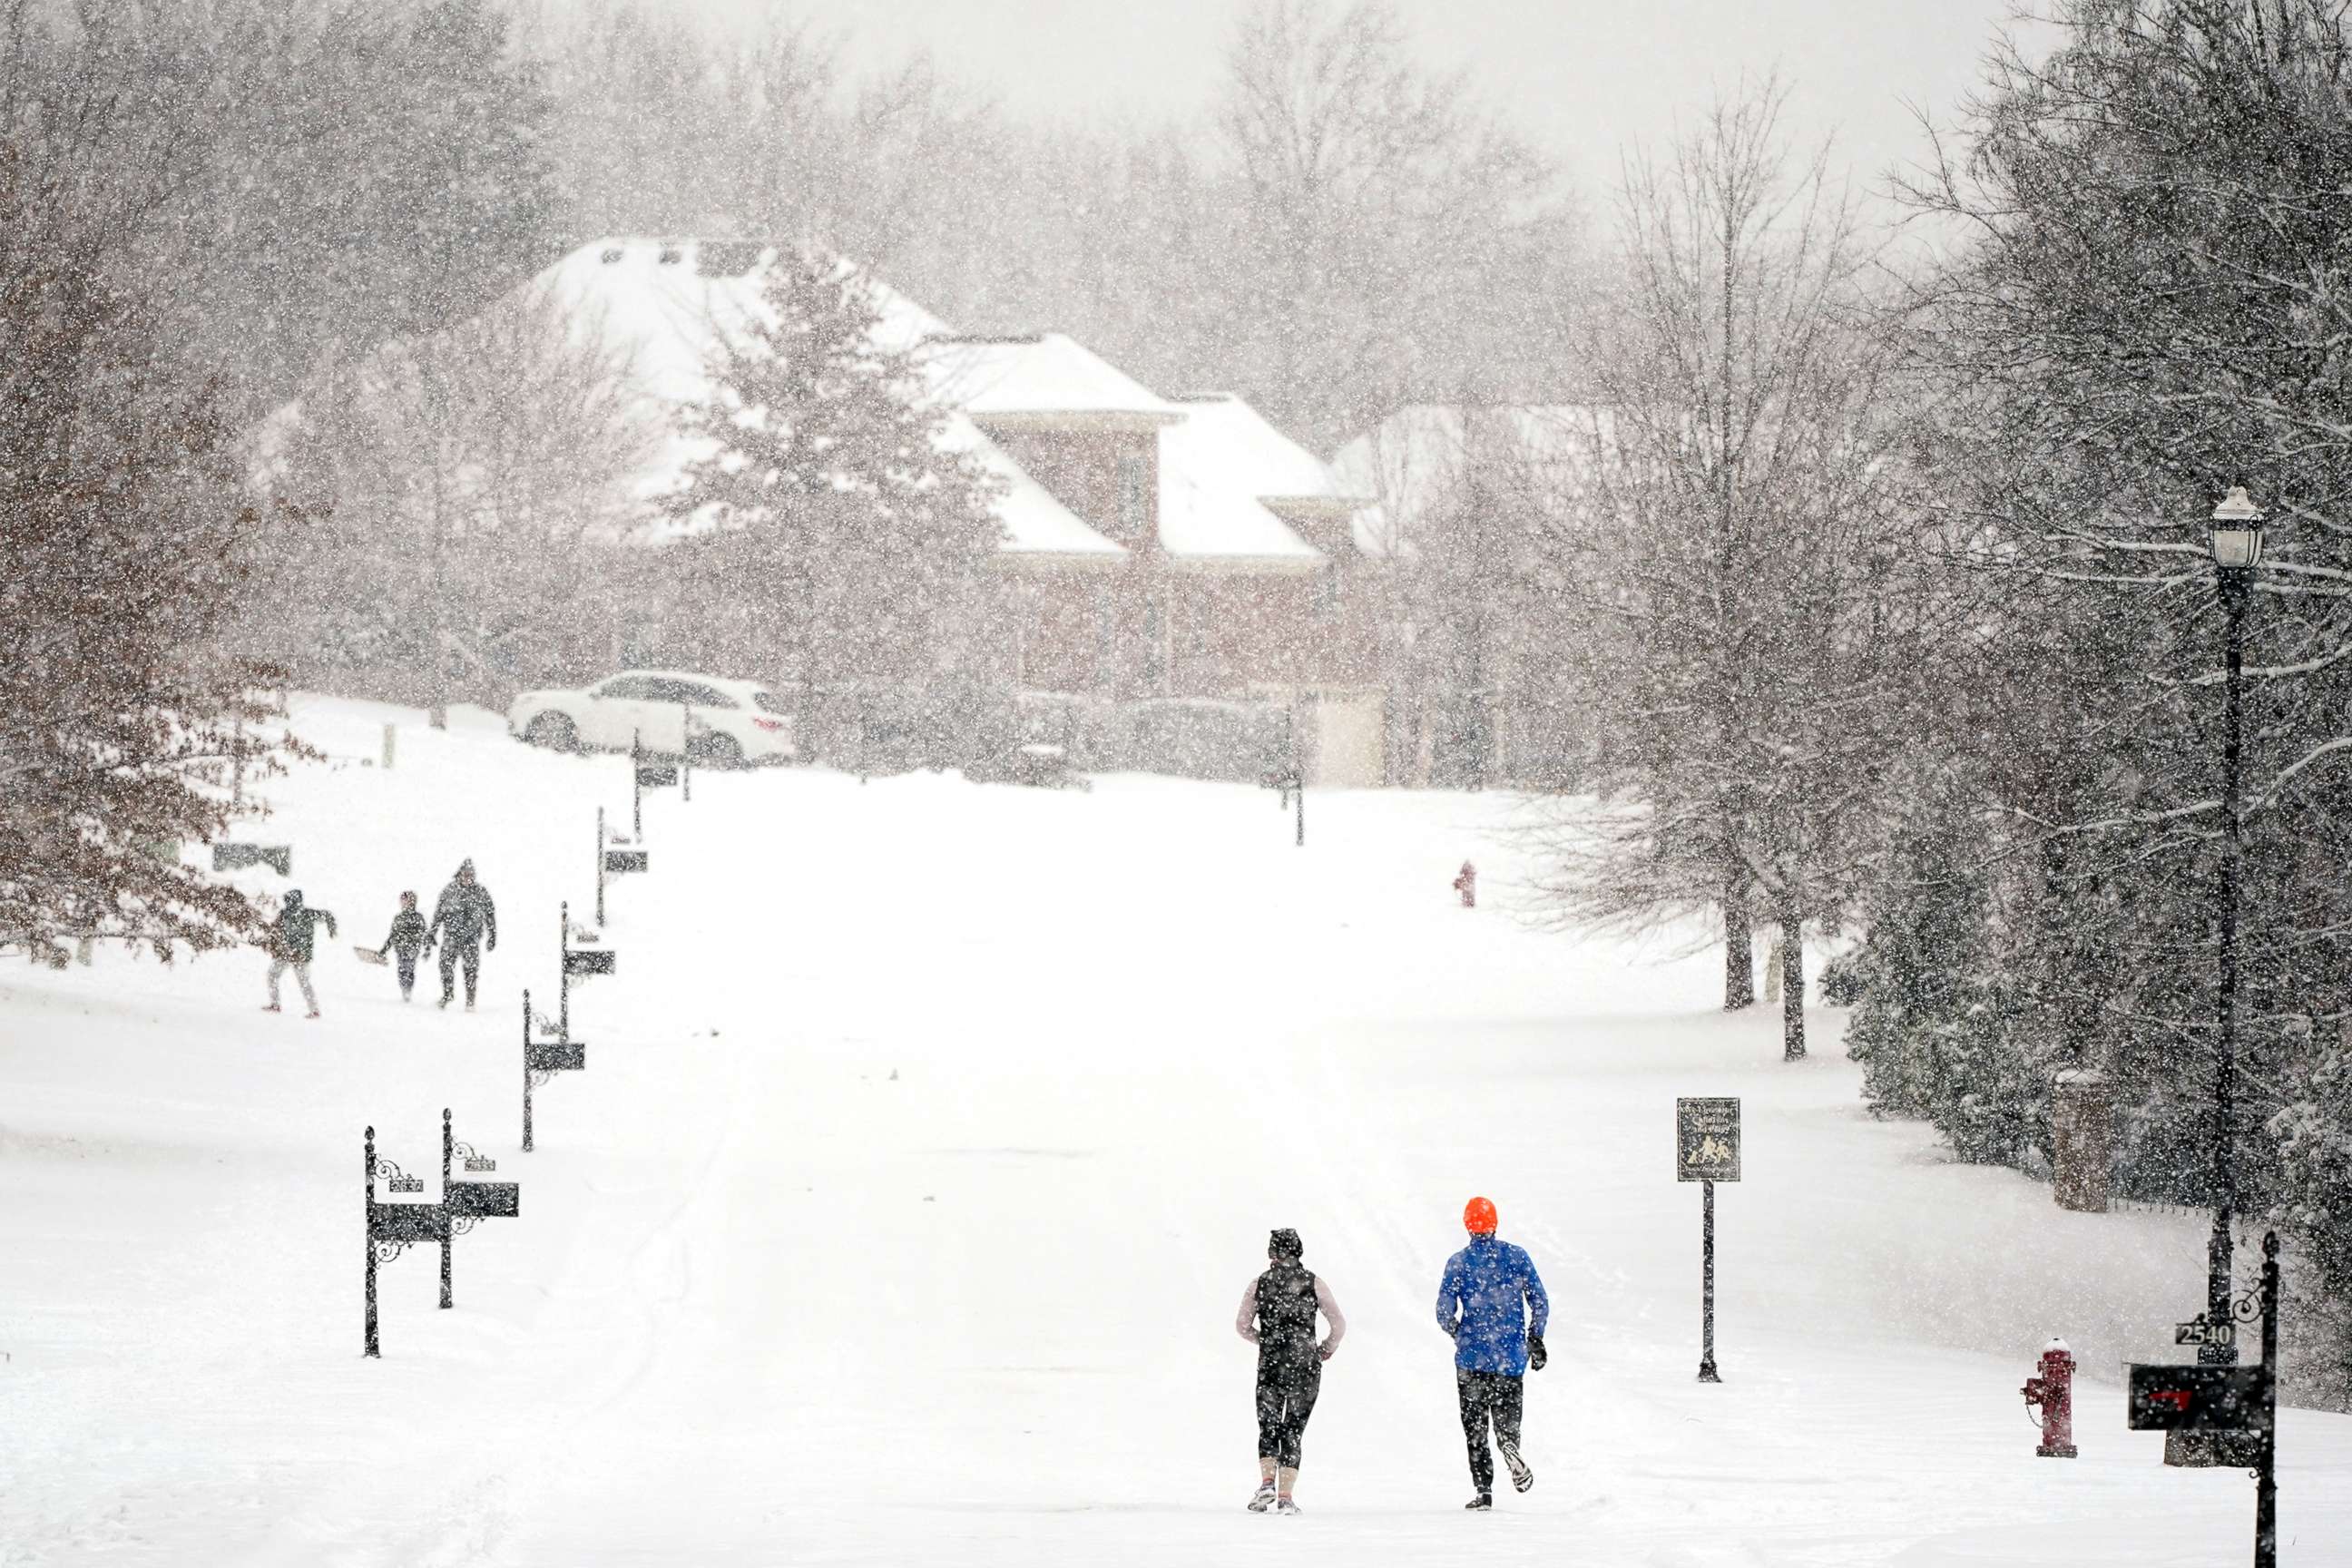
(1152, 546)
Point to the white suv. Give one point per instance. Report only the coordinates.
(719, 722)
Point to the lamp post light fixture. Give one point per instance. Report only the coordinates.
(2236, 547)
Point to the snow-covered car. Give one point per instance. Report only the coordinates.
(717, 721)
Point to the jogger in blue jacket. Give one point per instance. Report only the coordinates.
(1492, 1302)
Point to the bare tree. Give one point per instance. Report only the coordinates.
(1739, 548)
(464, 488)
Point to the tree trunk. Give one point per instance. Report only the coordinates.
(1792, 986)
(1738, 946)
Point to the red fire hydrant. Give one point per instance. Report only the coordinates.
(2055, 1392)
(1466, 884)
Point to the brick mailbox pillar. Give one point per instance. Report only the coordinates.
(2082, 1129)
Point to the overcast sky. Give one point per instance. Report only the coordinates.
(1583, 77)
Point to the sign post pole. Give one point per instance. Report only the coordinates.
(685, 762)
(1706, 1372)
(368, 1213)
(563, 962)
(1706, 1151)
(446, 1237)
(600, 865)
(2266, 1477)
(526, 1072)
(637, 785)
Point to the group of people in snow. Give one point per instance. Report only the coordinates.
(1490, 1301)
(462, 920)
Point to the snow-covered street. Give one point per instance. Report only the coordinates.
(929, 1133)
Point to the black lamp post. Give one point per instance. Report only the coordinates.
(2237, 545)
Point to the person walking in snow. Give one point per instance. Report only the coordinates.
(1493, 1304)
(409, 936)
(1278, 1316)
(291, 942)
(462, 918)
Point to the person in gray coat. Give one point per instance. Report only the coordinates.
(461, 919)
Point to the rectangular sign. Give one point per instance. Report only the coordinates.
(2200, 1398)
(2198, 1331)
(588, 961)
(1707, 1139)
(408, 1221)
(652, 777)
(556, 1057)
(279, 858)
(484, 1200)
(619, 860)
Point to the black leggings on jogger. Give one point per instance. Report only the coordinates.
(1285, 1398)
(1489, 1396)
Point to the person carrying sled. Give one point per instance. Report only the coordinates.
(1278, 1316)
(292, 940)
(1493, 1304)
(409, 936)
(462, 918)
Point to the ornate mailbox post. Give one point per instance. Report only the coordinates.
(614, 858)
(543, 1060)
(467, 1203)
(645, 776)
(2218, 1397)
(394, 1228)
(581, 961)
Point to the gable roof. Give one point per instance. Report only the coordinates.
(669, 305)
(1224, 471)
(1048, 376)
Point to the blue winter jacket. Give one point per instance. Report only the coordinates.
(1490, 1301)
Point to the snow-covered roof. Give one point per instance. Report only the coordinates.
(1224, 472)
(669, 305)
(1412, 461)
(1261, 458)
(1049, 376)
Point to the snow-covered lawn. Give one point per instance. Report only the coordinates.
(929, 1135)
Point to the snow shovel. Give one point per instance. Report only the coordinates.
(369, 955)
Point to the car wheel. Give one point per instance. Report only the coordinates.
(555, 732)
(717, 752)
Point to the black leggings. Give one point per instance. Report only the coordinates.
(1285, 1398)
(1489, 1396)
(407, 962)
(450, 953)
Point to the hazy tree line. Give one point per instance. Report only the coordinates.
(1882, 580)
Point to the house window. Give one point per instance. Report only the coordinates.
(1130, 496)
(1155, 647)
(1327, 593)
(1106, 644)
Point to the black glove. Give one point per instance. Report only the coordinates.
(1536, 1357)
(494, 944)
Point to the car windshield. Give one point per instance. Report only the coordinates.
(767, 704)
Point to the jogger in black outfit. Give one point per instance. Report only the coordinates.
(1278, 1316)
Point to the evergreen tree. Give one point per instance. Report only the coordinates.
(124, 524)
(836, 499)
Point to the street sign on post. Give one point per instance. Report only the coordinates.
(1706, 1151)
(1707, 1139)
(618, 862)
(279, 858)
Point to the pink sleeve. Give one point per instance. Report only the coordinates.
(1244, 1324)
(1325, 1300)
